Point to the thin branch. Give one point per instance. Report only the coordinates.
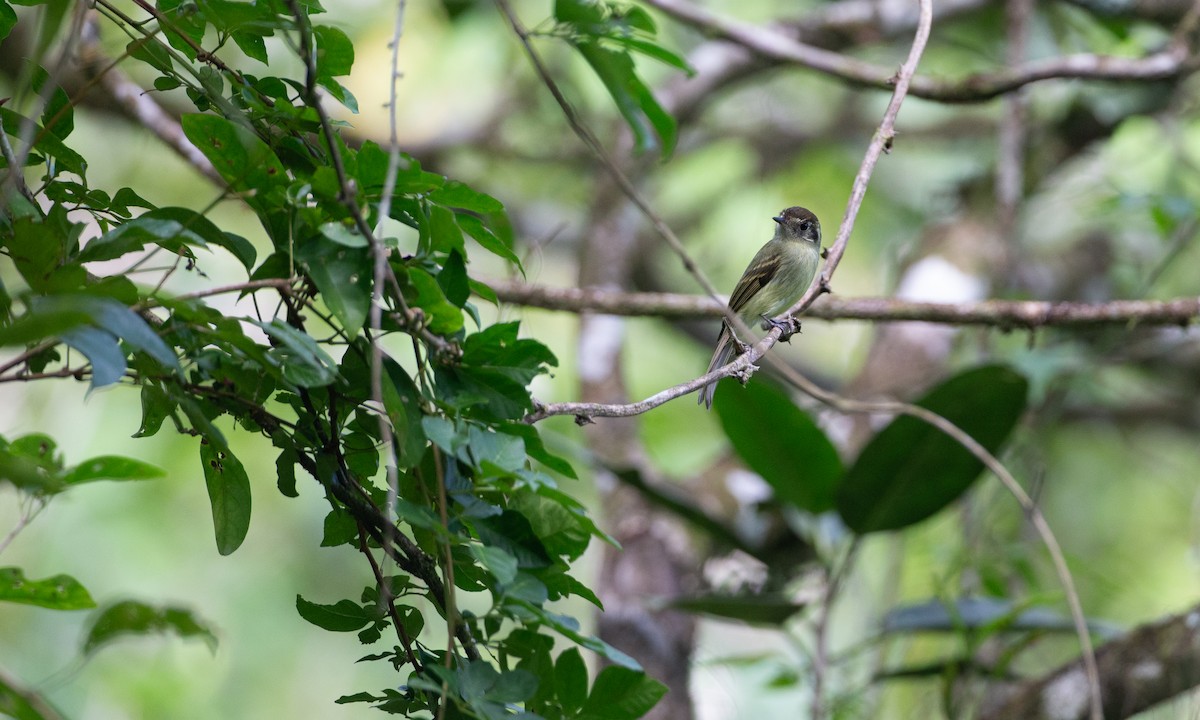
(593, 144)
(280, 284)
(1002, 314)
(1177, 59)
(380, 268)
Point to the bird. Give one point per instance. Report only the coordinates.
(776, 278)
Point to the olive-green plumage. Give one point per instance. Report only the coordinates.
(776, 278)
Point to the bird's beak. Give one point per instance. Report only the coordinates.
(778, 219)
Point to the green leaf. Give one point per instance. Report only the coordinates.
(511, 532)
(911, 470)
(342, 616)
(241, 157)
(111, 467)
(502, 565)
(344, 277)
(444, 317)
(653, 128)
(780, 442)
(67, 315)
(304, 362)
(8, 19)
(61, 592)
(487, 239)
(571, 681)
(620, 693)
(461, 196)
(402, 402)
(453, 279)
(754, 609)
(156, 406)
(335, 52)
(102, 351)
(170, 228)
(228, 493)
(131, 617)
(46, 143)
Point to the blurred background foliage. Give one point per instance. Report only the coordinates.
(1106, 210)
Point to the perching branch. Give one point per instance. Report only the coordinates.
(1002, 314)
(1175, 60)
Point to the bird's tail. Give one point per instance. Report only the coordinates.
(721, 356)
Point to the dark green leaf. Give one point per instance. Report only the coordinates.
(444, 317)
(653, 128)
(512, 532)
(620, 693)
(342, 616)
(170, 228)
(285, 472)
(156, 406)
(402, 401)
(134, 618)
(8, 19)
(229, 494)
(461, 196)
(240, 156)
(911, 470)
(780, 442)
(343, 275)
(61, 592)
(571, 680)
(335, 52)
(755, 609)
(453, 279)
(489, 240)
(304, 361)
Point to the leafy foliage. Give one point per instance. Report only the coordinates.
(475, 506)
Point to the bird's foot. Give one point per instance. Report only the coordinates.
(787, 327)
(743, 376)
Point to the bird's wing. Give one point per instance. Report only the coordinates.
(759, 273)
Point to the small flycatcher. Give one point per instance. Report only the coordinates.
(776, 278)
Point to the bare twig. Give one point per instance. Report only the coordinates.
(1177, 59)
(380, 268)
(593, 144)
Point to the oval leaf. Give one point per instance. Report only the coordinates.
(229, 494)
(780, 442)
(61, 592)
(911, 470)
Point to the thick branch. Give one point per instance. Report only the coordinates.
(1004, 314)
(1147, 666)
(772, 45)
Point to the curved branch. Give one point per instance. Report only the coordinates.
(1177, 59)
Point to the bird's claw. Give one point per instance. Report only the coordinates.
(787, 327)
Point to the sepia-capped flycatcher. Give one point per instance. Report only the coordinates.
(776, 278)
